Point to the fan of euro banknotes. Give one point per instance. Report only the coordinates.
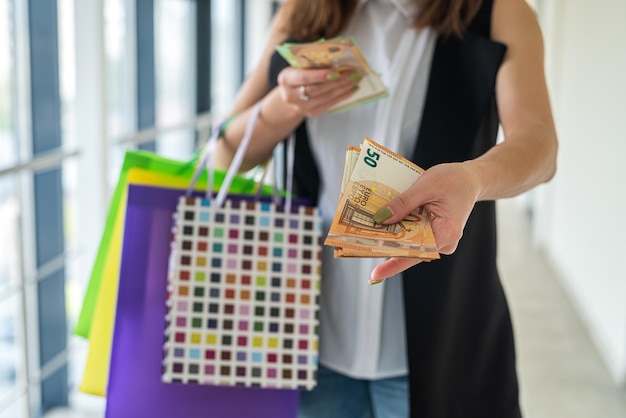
(341, 54)
(373, 175)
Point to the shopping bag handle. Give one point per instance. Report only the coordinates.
(238, 158)
(235, 164)
(261, 181)
(208, 157)
(201, 163)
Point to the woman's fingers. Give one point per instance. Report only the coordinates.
(293, 77)
(328, 87)
(449, 193)
(390, 268)
(322, 103)
(314, 91)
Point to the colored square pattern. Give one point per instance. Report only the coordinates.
(243, 295)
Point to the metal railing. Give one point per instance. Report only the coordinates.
(40, 162)
(201, 123)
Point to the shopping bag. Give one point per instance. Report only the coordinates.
(99, 303)
(96, 370)
(135, 387)
(107, 257)
(243, 290)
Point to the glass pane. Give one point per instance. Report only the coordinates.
(77, 270)
(76, 273)
(120, 63)
(8, 141)
(226, 44)
(11, 371)
(79, 348)
(86, 405)
(118, 39)
(116, 159)
(17, 408)
(9, 225)
(81, 404)
(175, 49)
(67, 74)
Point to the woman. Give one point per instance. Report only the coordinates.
(438, 342)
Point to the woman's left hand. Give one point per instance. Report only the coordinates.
(313, 91)
(449, 192)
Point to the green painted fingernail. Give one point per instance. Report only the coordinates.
(333, 76)
(372, 282)
(382, 215)
(355, 77)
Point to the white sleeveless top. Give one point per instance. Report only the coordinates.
(362, 326)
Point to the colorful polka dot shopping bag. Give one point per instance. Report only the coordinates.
(243, 291)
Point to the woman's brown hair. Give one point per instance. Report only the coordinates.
(309, 20)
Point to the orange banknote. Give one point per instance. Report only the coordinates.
(373, 175)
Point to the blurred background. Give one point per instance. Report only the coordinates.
(82, 80)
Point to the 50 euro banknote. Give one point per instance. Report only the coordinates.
(373, 175)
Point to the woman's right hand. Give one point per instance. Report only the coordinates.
(313, 91)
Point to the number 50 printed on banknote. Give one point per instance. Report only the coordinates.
(373, 175)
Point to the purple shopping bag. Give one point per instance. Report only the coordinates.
(135, 386)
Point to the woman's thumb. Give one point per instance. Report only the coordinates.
(397, 208)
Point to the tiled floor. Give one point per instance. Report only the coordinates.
(561, 374)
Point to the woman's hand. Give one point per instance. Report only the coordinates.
(449, 192)
(313, 91)
(526, 157)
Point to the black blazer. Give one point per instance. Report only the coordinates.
(459, 334)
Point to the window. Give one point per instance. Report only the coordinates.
(12, 370)
(56, 172)
(175, 64)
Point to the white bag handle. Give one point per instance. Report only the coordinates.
(238, 158)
